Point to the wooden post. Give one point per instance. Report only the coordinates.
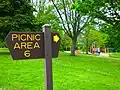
(48, 57)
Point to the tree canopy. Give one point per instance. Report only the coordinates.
(16, 15)
(72, 21)
(68, 17)
(109, 12)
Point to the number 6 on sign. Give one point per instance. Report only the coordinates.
(27, 53)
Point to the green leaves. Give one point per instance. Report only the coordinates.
(83, 7)
(15, 15)
(65, 43)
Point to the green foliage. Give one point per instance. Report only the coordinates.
(82, 6)
(97, 36)
(72, 21)
(88, 7)
(92, 35)
(65, 43)
(114, 34)
(46, 15)
(110, 14)
(2, 44)
(106, 10)
(16, 15)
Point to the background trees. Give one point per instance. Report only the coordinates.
(111, 15)
(83, 18)
(46, 14)
(65, 43)
(92, 36)
(73, 22)
(15, 15)
(109, 12)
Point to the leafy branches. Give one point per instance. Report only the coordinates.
(72, 21)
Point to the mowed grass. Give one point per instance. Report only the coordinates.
(81, 72)
(115, 55)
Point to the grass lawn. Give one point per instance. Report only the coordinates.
(115, 55)
(82, 72)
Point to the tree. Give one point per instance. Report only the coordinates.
(65, 43)
(109, 12)
(114, 35)
(16, 15)
(45, 15)
(92, 35)
(73, 22)
(111, 16)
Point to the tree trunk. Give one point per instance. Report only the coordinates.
(73, 47)
(87, 46)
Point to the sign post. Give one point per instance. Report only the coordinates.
(48, 57)
(33, 45)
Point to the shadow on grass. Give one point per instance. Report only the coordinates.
(4, 53)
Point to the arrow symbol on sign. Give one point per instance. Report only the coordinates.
(56, 38)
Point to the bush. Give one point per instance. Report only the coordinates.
(2, 44)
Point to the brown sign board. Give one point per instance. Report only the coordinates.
(30, 45)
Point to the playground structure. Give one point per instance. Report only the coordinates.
(93, 50)
(103, 51)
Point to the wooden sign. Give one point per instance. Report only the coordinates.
(55, 44)
(30, 45)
